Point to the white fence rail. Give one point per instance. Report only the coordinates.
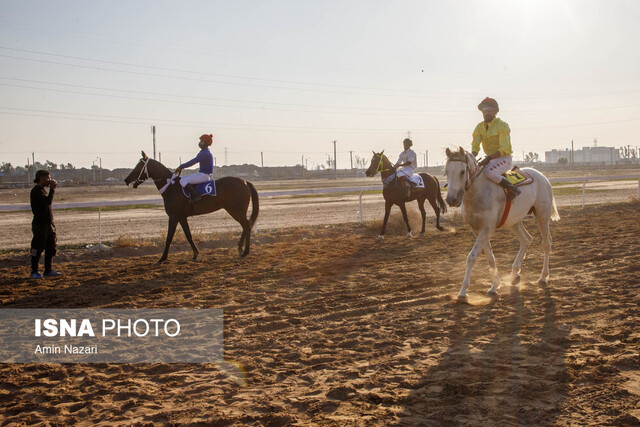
(281, 193)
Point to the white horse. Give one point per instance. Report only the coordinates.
(483, 204)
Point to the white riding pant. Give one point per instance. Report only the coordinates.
(405, 171)
(196, 178)
(497, 167)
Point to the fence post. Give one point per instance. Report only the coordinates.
(99, 246)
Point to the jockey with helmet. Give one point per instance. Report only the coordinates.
(494, 134)
(407, 162)
(205, 158)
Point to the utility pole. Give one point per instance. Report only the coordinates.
(153, 132)
(262, 164)
(100, 168)
(335, 162)
(426, 159)
(33, 163)
(160, 157)
(572, 151)
(28, 170)
(351, 155)
(226, 159)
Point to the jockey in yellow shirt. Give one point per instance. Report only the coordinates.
(495, 136)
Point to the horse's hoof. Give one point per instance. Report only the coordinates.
(515, 280)
(380, 237)
(542, 281)
(463, 298)
(161, 260)
(409, 235)
(492, 294)
(439, 227)
(422, 233)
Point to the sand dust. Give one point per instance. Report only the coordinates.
(325, 325)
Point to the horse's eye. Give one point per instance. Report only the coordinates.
(461, 173)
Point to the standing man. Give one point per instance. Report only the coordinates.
(495, 136)
(44, 231)
(407, 162)
(205, 158)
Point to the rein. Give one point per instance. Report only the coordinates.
(470, 179)
(380, 165)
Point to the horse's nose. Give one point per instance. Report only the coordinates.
(452, 201)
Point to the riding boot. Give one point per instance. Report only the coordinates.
(195, 196)
(512, 191)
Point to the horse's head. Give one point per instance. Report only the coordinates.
(140, 173)
(379, 163)
(460, 167)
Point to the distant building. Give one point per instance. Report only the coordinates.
(592, 155)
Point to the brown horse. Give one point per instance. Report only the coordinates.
(395, 193)
(232, 194)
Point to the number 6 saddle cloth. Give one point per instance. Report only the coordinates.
(206, 189)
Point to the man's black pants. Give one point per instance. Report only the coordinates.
(44, 239)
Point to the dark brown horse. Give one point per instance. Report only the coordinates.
(395, 193)
(232, 194)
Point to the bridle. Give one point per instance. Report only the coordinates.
(145, 170)
(380, 164)
(469, 177)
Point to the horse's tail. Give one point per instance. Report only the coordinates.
(554, 209)
(441, 204)
(255, 207)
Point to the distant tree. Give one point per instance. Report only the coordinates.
(531, 157)
(627, 152)
(70, 167)
(6, 168)
(50, 165)
(330, 162)
(562, 161)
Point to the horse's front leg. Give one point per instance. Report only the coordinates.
(187, 233)
(403, 209)
(173, 223)
(481, 242)
(387, 211)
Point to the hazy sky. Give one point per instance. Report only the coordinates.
(87, 79)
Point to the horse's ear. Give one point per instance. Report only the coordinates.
(144, 156)
(382, 152)
(448, 152)
(461, 150)
(374, 153)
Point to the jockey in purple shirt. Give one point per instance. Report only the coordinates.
(205, 158)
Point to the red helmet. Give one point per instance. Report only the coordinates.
(488, 103)
(207, 139)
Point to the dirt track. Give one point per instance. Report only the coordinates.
(325, 325)
(81, 227)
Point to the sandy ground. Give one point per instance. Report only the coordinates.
(79, 228)
(324, 325)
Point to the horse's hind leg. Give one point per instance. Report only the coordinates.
(543, 222)
(245, 238)
(493, 269)
(423, 213)
(525, 240)
(187, 233)
(173, 223)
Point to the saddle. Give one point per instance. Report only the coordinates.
(204, 189)
(518, 177)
